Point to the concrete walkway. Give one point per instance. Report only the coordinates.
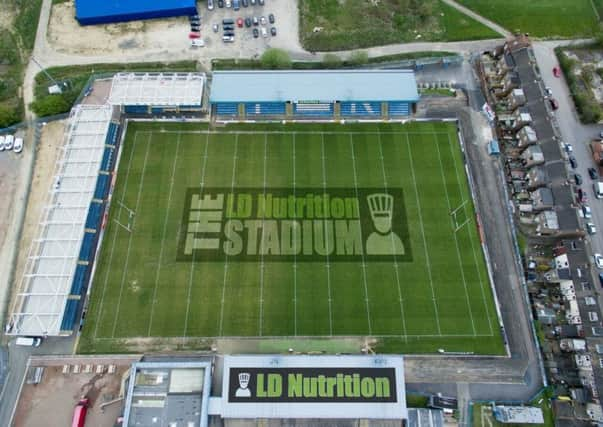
(479, 18)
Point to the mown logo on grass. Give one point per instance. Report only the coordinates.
(312, 385)
(276, 225)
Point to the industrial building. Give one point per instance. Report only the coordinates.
(90, 12)
(324, 94)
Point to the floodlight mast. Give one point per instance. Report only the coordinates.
(44, 71)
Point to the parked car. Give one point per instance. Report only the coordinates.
(263, 20)
(236, 4)
(256, 33)
(227, 39)
(228, 27)
(601, 134)
(601, 279)
(220, 4)
(255, 21)
(197, 43)
(227, 21)
(194, 35)
(18, 147)
(194, 17)
(573, 162)
(8, 142)
(568, 148)
(582, 197)
(252, 2)
(240, 22)
(261, 2)
(228, 4)
(245, 3)
(548, 91)
(554, 103)
(229, 33)
(271, 18)
(598, 260)
(195, 28)
(578, 179)
(248, 22)
(216, 28)
(210, 4)
(273, 31)
(590, 227)
(588, 214)
(556, 71)
(264, 32)
(592, 172)
(1, 143)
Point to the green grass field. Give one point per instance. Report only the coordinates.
(419, 284)
(540, 18)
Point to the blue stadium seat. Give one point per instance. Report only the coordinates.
(317, 110)
(398, 108)
(227, 109)
(79, 279)
(360, 109)
(265, 108)
(69, 315)
(136, 109)
(88, 247)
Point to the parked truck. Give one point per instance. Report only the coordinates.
(79, 413)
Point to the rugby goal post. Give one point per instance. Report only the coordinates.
(131, 214)
(459, 216)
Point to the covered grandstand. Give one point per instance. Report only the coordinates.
(89, 12)
(325, 94)
(157, 93)
(60, 258)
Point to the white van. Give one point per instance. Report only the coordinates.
(28, 341)
(598, 189)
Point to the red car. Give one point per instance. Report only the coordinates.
(240, 22)
(193, 35)
(556, 71)
(554, 103)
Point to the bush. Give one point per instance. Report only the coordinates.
(330, 60)
(275, 59)
(8, 116)
(359, 57)
(50, 105)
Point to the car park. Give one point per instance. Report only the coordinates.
(598, 260)
(578, 179)
(18, 146)
(8, 142)
(271, 18)
(240, 22)
(556, 71)
(248, 22)
(1, 143)
(587, 212)
(264, 32)
(263, 20)
(592, 172)
(256, 33)
(573, 162)
(273, 31)
(590, 227)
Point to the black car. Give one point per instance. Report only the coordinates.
(229, 34)
(601, 279)
(228, 27)
(220, 4)
(248, 22)
(592, 172)
(271, 18)
(193, 17)
(273, 31)
(573, 162)
(261, 2)
(578, 179)
(245, 3)
(256, 33)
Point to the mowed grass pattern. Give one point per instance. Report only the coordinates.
(442, 298)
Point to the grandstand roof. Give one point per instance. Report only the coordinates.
(53, 256)
(89, 12)
(323, 85)
(160, 89)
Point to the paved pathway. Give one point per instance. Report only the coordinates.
(479, 18)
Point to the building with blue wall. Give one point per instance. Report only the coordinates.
(322, 94)
(89, 12)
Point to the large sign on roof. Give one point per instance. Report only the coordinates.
(313, 387)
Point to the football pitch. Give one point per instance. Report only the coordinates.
(297, 232)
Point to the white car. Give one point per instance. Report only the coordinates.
(8, 142)
(18, 146)
(568, 148)
(197, 43)
(590, 227)
(598, 260)
(264, 32)
(1, 143)
(588, 214)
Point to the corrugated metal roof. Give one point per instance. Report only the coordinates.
(89, 12)
(324, 85)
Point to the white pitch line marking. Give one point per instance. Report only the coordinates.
(324, 187)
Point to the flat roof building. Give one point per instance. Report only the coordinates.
(89, 12)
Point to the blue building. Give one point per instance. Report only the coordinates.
(320, 94)
(89, 12)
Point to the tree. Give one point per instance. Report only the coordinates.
(330, 60)
(8, 116)
(275, 59)
(358, 57)
(49, 105)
